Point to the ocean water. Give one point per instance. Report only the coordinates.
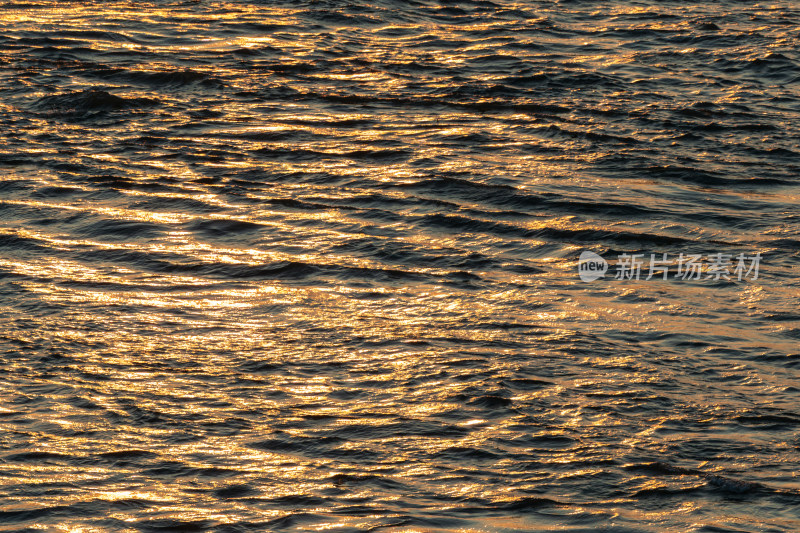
(313, 266)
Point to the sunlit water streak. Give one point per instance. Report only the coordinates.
(303, 266)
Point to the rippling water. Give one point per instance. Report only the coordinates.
(304, 266)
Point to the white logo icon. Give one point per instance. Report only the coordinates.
(591, 266)
(717, 267)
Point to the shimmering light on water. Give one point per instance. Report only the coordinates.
(311, 266)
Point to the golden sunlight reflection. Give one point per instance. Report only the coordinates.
(314, 266)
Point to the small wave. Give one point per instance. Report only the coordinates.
(88, 103)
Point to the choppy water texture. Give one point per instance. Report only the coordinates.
(311, 266)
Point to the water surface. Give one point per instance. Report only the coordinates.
(306, 266)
